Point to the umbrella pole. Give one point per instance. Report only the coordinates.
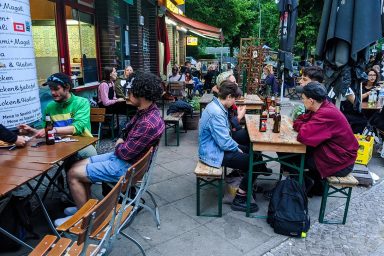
(282, 98)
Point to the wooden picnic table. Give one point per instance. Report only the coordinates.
(204, 101)
(251, 102)
(283, 142)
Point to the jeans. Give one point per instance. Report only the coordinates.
(239, 160)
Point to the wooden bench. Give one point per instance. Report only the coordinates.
(208, 175)
(341, 185)
(173, 121)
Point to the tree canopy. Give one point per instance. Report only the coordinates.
(240, 19)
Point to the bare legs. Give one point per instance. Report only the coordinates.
(79, 184)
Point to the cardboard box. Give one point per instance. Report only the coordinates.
(364, 154)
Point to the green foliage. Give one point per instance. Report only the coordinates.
(194, 102)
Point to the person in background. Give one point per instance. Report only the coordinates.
(193, 83)
(176, 76)
(331, 145)
(373, 80)
(198, 69)
(142, 132)
(10, 137)
(270, 80)
(124, 82)
(107, 96)
(209, 77)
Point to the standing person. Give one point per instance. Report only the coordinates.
(270, 81)
(106, 93)
(198, 69)
(209, 77)
(10, 137)
(216, 146)
(331, 145)
(124, 82)
(373, 79)
(142, 132)
(69, 113)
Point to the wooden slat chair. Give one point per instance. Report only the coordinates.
(98, 116)
(341, 185)
(97, 221)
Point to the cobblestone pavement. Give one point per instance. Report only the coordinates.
(363, 233)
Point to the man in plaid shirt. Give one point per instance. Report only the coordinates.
(143, 131)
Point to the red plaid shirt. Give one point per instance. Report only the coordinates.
(144, 130)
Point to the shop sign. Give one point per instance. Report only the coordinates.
(173, 8)
(19, 90)
(191, 40)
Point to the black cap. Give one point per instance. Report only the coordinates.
(59, 79)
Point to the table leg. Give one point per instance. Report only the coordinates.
(17, 240)
(250, 173)
(301, 170)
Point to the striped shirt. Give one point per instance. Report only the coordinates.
(144, 130)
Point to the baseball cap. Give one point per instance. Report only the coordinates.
(59, 79)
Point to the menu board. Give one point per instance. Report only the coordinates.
(19, 91)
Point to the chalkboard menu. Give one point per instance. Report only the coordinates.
(19, 92)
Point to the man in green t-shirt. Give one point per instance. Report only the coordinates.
(69, 113)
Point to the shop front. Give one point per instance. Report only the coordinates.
(65, 39)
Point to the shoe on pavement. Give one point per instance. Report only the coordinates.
(239, 203)
(60, 221)
(70, 210)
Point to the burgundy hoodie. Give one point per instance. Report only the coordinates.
(331, 136)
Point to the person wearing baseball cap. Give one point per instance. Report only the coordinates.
(69, 113)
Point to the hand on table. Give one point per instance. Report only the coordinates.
(20, 142)
(120, 99)
(26, 129)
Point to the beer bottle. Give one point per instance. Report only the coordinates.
(273, 101)
(49, 133)
(277, 120)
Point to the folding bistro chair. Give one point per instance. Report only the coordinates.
(93, 225)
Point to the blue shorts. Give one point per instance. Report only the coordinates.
(106, 167)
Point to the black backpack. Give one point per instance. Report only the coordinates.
(288, 209)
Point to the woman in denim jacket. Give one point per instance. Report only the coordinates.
(216, 146)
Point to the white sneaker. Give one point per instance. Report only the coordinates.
(70, 210)
(60, 221)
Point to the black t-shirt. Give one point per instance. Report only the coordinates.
(6, 135)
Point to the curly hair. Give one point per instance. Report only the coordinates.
(146, 85)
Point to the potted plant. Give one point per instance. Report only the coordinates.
(191, 121)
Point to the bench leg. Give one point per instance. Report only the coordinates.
(220, 199)
(323, 202)
(177, 127)
(347, 205)
(166, 139)
(198, 196)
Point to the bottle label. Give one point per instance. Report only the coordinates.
(51, 135)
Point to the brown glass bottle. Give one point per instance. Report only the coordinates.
(49, 133)
(277, 120)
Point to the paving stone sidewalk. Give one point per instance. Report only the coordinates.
(363, 233)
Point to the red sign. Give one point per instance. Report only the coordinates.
(18, 27)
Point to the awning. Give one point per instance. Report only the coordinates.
(196, 27)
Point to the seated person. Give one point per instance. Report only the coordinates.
(193, 83)
(331, 145)
(124, 82)
(143, 131)
(69, 113)
(216, 146)
(270, 81)
(10, 137)
(176, 76)
(209, 77)
(107, 95)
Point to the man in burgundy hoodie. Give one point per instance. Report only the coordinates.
(331, 145)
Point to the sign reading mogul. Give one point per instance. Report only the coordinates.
(19, 91)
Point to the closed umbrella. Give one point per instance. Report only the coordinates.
(347, 29)
(287, 30)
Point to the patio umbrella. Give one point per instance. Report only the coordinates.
(287, 30)
(347, 29)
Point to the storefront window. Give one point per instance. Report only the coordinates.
(82, 45)
(44, 38)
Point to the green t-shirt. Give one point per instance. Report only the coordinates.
(73, 112)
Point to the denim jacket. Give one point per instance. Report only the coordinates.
(214, 134)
